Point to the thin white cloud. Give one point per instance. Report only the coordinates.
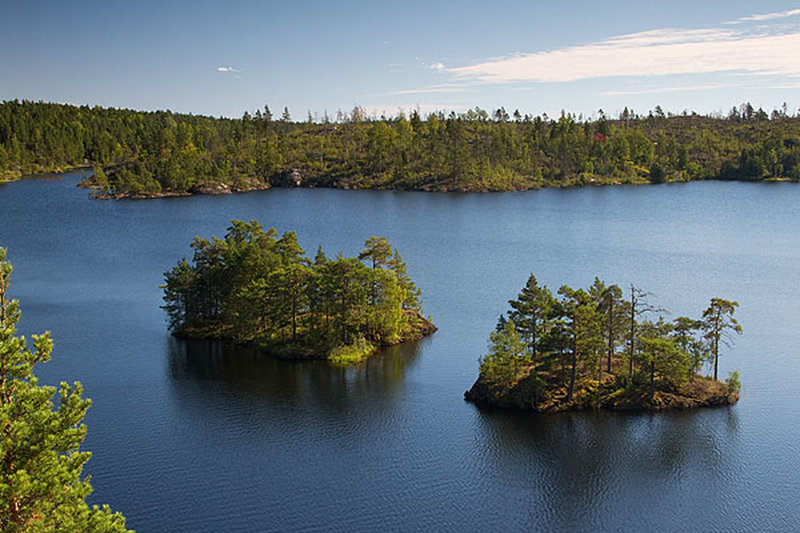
(436, 66)
(767, 16)
(657, 90)
(652, 53)
(745, 84)
(666, 36)
(227, 69)
(442, 88)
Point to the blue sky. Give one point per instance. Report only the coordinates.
(222, 58)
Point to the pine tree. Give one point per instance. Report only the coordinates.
(505, 351)
(586, 330)
(718, 324)
(378, 250)
(41, 488)
(530, 311)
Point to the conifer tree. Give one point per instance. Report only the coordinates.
(41, 488)
(377, 250)
(684, 331)
(506, 348)
(530, 311)
(718, 324)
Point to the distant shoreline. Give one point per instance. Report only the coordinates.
(160, 154)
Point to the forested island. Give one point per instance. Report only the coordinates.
(256, 288)
(148, 154)
(593, 348)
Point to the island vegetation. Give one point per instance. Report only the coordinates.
(41, 488)
(595, 348)
(256, 288)
(146, 154)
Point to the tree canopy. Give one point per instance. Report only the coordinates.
(255, 287)
(591, 347)
(152, 153)
(41, 488)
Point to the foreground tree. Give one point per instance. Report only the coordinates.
(40, 459)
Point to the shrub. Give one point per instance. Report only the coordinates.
(733, 382)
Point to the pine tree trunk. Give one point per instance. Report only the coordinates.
(610, 334)
(571, 388)
(599, 380)
(652, 380)
(633, 332)
(294, 319)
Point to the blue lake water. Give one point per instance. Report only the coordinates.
(197, 437)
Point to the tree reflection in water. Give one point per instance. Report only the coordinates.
(585, 469)
(241, 370)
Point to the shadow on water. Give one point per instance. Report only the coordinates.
(578, 467)
(224, 366)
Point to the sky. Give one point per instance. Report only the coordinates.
(317, 57)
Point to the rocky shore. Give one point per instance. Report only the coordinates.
(419, 327)
(525, 395)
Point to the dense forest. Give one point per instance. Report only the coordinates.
(137, 153)
(597, 348)
(257, 288)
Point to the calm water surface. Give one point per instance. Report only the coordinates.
(196, 437)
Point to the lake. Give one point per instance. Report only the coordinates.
(193, 436)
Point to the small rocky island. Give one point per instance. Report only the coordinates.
(595, 349)
(256, 288)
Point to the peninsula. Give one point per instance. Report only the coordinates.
(593, 349)
(256, 288)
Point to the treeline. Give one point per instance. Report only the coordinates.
(255, 287)
(152, 153)
(600, 345)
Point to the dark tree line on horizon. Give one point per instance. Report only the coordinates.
(151, 153)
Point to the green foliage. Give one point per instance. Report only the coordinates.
(733, 382)
(530, 311)
(41, 488)
(351, 354)
(149, 153)
(574, 347)
(506, 352)
(718, 325)
(662, 355)
(254, 287)
(684, 331)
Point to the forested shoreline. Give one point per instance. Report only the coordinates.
(598, 348)
(256, 288)
(147, 154)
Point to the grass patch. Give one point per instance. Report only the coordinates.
(351, 354)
